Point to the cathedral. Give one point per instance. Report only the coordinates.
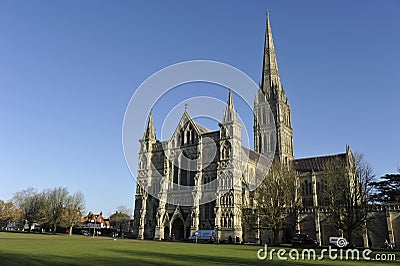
(208, 190)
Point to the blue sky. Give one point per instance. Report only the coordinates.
(69, 68)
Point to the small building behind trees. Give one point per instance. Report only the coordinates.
(92, 220)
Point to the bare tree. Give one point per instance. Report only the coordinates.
(346, 192)
(30, 205)
(72, 212)
(120, 219)
(52, 207)
(365, 175)
(55, 200)
(277, 199)
(124, 209)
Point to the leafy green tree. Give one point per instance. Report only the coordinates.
(387, 190)
(8, 213)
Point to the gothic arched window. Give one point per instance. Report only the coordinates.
(192, 136)
(226, 150)
(230, 220)
(187, 140)
(224, 221)
(143, 163)
(182, 138)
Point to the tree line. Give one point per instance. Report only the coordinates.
(50, 208)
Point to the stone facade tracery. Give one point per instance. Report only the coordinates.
(187, 167)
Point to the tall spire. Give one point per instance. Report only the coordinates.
(230, 113)
(150, 132)
(270, 66)
(271, 100)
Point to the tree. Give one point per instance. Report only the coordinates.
(277, 199)
(124, 209)
(120, 219)
(55, 200)
(72, 212)
(365, 175)
(8, 213)
(30, 206)
(51, 207)
(346, 192)
(387, 190)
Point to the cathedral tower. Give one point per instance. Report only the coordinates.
(271, 93)
(142, 198)
(229, 193)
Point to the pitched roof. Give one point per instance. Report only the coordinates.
(185, 120)
(254, 156)
(316, 163)
(202, 128)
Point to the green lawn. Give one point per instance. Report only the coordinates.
(36, 249)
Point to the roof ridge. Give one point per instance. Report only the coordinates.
(201, 127)
(321, 156)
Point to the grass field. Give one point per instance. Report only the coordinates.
(36, 249)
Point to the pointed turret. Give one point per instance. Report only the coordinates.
(150, 132)
(230, 100)
(230, 113)
(271, 76)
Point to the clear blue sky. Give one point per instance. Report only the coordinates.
(69, 68)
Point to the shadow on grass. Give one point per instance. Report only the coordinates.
(126, 257)
(203, 259)
(223, 260)
(110, 256)
(22, 259)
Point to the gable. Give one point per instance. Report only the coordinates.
(187, 131)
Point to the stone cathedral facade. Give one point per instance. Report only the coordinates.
(168, 168)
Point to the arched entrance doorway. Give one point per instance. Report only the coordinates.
(177, 229)
(166, 233)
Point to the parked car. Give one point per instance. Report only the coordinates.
(37, 230)
(303, 240)
(84, 232)
(208, 236)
